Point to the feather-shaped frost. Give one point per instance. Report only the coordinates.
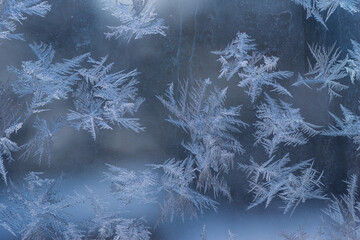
(136, 20)
(129, 185)
(254, 69)
(88, 113)
(41, 145)
(16, 11)
(353, 66)
(105, 99)
(349, 126)
(35, 211)
(281, 123)
(44, 80)
(203, 116)
(11, 116)
(181, 199)
(344, 213)
(327, 70)
(276, 178)
(109, 223)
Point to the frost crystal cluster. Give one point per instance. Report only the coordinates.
(349, 126)
(203, 116)
(325, 8)
(344, 213)
(254, 69)
(293, 184)
(35, 211)
(280, 123)
(105, 99)
(41, 145)
(136, 20)
(108, 222)
(353, 67)
(44, 100)
(181, 199)
(327, 70)
(10, 123)
(44, 80)
(16, 11)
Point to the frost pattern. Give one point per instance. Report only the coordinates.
(210, 126)
(105, 99)
(327, 70)
(10, 123)
(300, 234)
(136, 20)
(349, 126)
(274, 178)
(127, 186)
(232, 236)
(236, 55)
(254, 69)
(330, 6)
(41, 144)
(43, 80)
(15, 11)
(181, 200)
(108, 223)
(203, 235)
(255, 75)
(312, 10)
(88, 113)
(280, 123)
(174, 188)
(344, 213)
(34, 211)
(353, 67)
(319, 8)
